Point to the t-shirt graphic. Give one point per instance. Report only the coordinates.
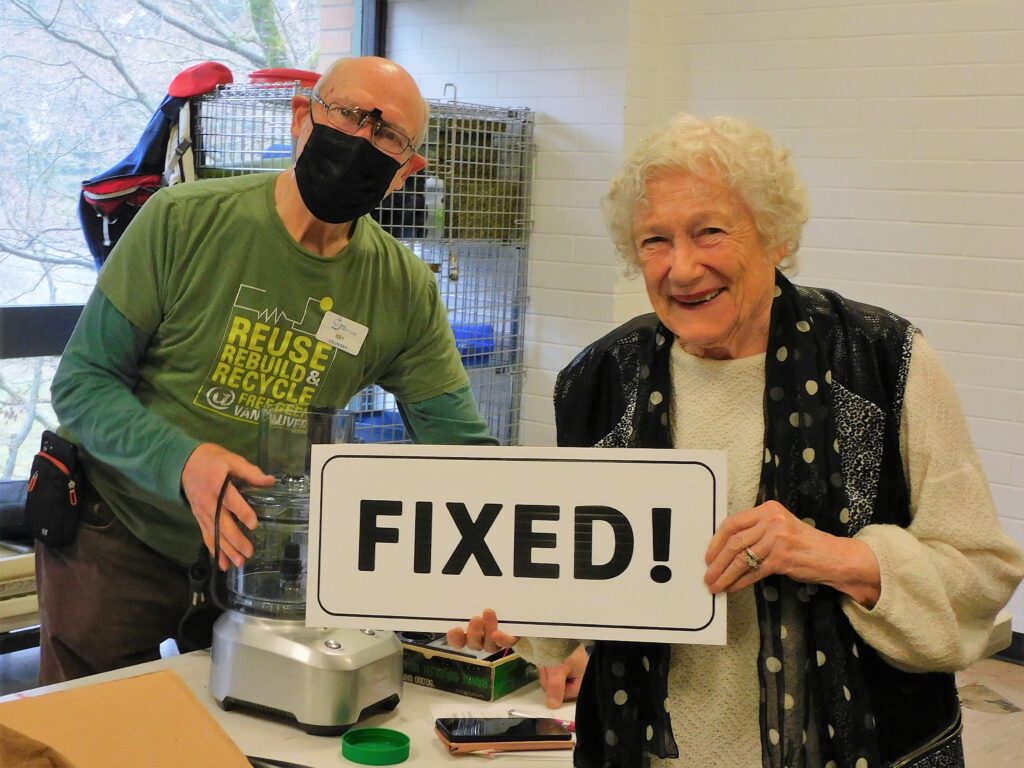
(266, 358)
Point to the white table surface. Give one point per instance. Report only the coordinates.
(414, 716)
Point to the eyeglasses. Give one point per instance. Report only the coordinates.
(348, 119)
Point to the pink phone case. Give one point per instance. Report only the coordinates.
(469, 747)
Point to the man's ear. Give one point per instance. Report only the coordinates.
(414, 164)
(300, 110)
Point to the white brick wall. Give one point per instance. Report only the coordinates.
(337, 18)
(906, 118)
(566, 61)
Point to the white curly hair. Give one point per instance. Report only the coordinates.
(739, 153)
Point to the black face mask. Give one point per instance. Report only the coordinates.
(342, 177)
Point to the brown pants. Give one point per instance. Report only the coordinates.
(106, 601)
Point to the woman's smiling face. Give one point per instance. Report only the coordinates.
(708, 275)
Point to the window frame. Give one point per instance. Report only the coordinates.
(36, 330)
(372, 24)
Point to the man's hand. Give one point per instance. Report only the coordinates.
(202, 479)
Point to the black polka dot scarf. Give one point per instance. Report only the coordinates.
(814, 704)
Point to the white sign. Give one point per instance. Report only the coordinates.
(584, 543)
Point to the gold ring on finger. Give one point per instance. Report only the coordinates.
(753, 561)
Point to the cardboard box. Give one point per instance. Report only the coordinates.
(152, 720)
(488, 677)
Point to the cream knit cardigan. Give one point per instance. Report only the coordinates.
(943, 579)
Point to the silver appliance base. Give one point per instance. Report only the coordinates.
(323, 679)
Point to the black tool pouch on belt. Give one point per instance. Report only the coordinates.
(55, 490)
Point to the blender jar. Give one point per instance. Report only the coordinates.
(272, 582)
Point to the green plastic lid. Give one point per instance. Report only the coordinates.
(375, 746)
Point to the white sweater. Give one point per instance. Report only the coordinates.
(943, 579)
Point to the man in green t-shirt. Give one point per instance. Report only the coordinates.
(224, 297)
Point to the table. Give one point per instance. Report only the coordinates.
(414, 716)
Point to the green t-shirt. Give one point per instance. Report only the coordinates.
(239, 316)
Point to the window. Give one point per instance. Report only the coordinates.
(81, 80)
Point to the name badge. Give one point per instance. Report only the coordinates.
(347, 335)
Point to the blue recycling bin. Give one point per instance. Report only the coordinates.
(475, 342)
(379, 427)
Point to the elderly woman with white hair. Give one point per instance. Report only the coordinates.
(862, 555)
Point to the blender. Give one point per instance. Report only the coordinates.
(264, 657)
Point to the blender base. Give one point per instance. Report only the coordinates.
(323, 679)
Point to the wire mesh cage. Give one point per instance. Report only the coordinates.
(243, 129)
(476, 184)
(466, 215)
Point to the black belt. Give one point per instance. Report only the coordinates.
(95, 511)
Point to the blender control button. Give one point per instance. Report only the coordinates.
(334, 645)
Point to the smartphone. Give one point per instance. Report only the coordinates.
(503, 730)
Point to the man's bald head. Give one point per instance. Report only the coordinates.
(372, 81)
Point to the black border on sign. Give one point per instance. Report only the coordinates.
(505, 621)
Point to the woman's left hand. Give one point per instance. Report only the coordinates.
(769, 539)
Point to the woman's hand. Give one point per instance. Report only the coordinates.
(481, 633)
(561, 682)
(769, 539)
